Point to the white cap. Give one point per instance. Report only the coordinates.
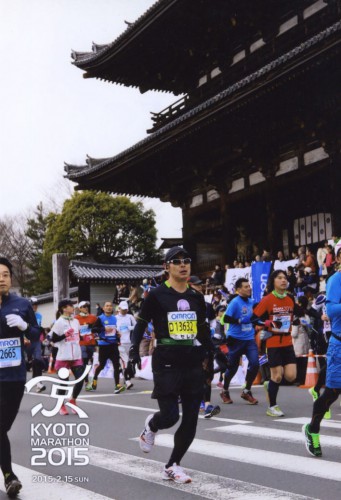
(123, 305)
(84, 303)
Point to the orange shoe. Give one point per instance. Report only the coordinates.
(249, 398)
(225, 397)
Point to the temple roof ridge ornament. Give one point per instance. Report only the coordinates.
(230, 90)
(99, 50)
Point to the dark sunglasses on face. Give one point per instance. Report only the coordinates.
(177, 262)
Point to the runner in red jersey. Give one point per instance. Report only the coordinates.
(276, 310)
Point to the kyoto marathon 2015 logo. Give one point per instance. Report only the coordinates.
(59, 443)
(61, 390)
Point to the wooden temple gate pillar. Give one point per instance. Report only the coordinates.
(334, 151)
(272, 215)
(227, 229)
(188, 236)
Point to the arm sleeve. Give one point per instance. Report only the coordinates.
(204, 333)
(143, 319)
(97, 327)
(57, 338)
(230, 314)
(230, 319)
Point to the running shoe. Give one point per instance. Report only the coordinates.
(177, 474)
(12, 485)
(73, 402)
(147, 437)
(312, 442)
(119, 388)
(249, 398)
(94, 385)
(266, 389)
(211, 411)
(40, 387)
(88, 386)
(274, 411)
(202, 407)
(314, 394)
(129, 385)
(220, 385)
(63, 410)
(225, 397)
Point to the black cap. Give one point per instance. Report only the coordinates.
(195, 280)
(173, 252)
(64, 302)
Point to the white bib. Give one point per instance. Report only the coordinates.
(10, 352)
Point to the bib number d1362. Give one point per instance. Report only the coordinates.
(182, 325)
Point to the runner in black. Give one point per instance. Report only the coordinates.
(182, 344)
(16, 320)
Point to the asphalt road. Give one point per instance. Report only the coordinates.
(241, 453)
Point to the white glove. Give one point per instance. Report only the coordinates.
(16, 321)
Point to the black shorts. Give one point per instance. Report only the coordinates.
(281, 356)
(106, 352)
(174, 377)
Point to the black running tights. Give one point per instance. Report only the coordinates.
(11, 394)
(321, 405)
(169, 415)
(77, 373)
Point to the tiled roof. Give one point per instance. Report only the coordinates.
(74, 172)
(98, 51)
(88, 271)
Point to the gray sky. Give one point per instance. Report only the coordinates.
(50, 114)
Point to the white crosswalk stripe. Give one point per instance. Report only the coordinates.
(273, 460)
(331, 424)
(204, 485)
(275, 434)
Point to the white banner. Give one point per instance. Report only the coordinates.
(284, 264)
(232, 275)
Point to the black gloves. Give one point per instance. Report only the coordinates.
(221, 361)
(134, 356)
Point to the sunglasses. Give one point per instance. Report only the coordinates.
(177, 262)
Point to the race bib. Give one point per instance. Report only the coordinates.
(286, 323)
(85, 333)
(10, 352)
(84, 330)
(246, 328)
(182, 325)
(110, 331)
